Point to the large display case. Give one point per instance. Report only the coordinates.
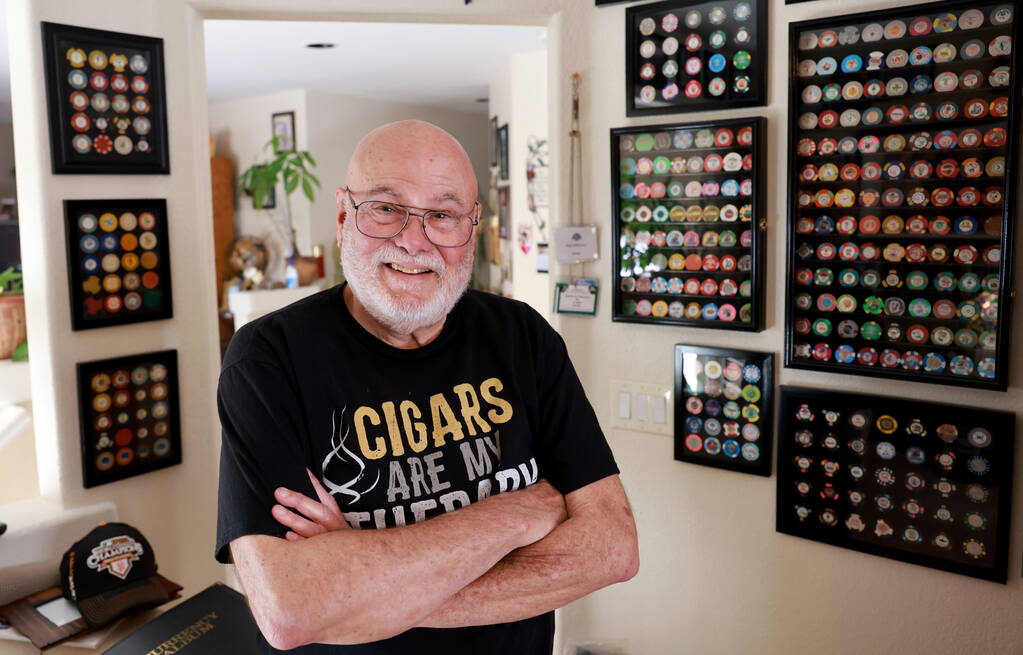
(903, 143)
(688, 207)
(919, 482)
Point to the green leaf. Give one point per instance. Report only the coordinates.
(291, 180)
(312, 177)
(21, 352)
(309, 158)
(307, 189)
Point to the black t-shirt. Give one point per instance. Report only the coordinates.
(399, 436)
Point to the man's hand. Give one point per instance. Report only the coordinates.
(541, 505)
(309, 517)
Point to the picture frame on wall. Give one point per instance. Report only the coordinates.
(690, 228)
(724, 400)
(284, 129)
(914, 481)
(106, 101)
(502, 141)
(504, 210)
(495, 147)
(903, 152)
(129, 416)
(118, 262)
(686, 55)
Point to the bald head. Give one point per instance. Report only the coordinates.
(413, 157)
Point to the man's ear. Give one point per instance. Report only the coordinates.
(339, 195)
(339, 198)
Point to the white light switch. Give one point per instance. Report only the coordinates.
(659, 409)
(624, 404)
(653, 411)
(642, 407)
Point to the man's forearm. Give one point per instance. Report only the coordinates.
(355, 586)
(589, 551)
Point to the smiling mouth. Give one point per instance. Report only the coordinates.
(408, 271)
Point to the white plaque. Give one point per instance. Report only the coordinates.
(576, 243)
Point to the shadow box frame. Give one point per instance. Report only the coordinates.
(765, 360)
(64, 160)
(83, 374)
(758, 225)
(1008, 207)
(789, 398)
(758, 96)
(76, 275)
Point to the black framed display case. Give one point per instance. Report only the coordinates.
(129, 416)
(118, 262)
(723, 408)
(903, 138)
(689, 227)
(106, 101)
(918, 482)
(693, 56)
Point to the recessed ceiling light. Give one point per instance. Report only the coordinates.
(320, 45)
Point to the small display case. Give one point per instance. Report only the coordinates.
(106, 99)
(118, 262)
(694, 56)
(688, 207)
(723, 405)
(902, 156)
(128, 410)
(914, 481)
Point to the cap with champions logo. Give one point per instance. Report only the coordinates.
(109, 572)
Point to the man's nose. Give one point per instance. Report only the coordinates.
(413, 239)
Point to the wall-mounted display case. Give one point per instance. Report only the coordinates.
(903, 143)
(723, 408)
(693, 56)
(689, 228)
(914, 481)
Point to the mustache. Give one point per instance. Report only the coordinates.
(390, 253)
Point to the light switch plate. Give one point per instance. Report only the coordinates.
(657, 404)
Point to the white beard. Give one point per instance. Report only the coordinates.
(401, 314)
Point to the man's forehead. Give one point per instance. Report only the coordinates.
(438, 193)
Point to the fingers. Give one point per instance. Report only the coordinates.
(305, 505)
(328, 502)
(302, 527)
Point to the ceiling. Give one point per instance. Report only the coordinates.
(446, 66)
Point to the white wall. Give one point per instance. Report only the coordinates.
(518, 97)
(241, 129)
(715, 576)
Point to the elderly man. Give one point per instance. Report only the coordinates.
(463, 489)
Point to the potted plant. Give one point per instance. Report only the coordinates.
(12, 316)
(289, 169)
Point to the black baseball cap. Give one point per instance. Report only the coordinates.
(109, 572)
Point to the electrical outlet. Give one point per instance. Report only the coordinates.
(642, 407)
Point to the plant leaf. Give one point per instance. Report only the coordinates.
(291, 180)
(307, 189)
(309, 158)
(312, 177)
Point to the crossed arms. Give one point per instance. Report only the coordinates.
(508, 557)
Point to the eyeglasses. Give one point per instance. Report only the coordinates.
(386, 220)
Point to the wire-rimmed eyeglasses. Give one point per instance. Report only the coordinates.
(385, 220)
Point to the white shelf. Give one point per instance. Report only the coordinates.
(14, 382)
